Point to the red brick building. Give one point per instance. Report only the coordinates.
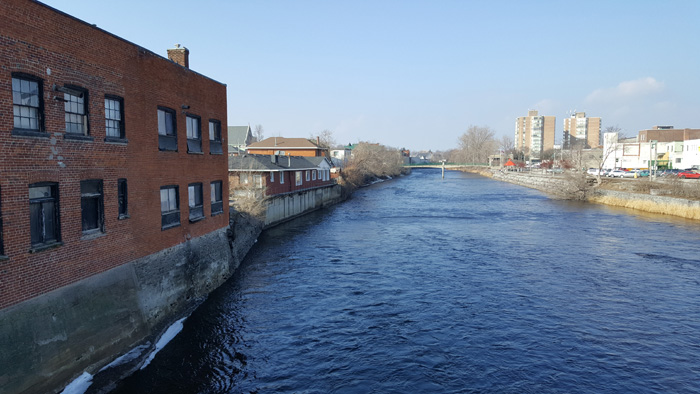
(286, 146)
(109, 152)
(275, 175)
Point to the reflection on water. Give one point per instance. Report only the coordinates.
(458, 285)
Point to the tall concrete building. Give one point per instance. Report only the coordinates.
(534, 133)
(578, 128)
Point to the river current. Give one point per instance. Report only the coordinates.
(455, 285)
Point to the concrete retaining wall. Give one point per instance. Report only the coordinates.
(49, 340)
(539, 182)
(674, 206)
(288, 206)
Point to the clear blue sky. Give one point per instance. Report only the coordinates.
(416, 74)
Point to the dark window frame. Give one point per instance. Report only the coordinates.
(196, 211)
(121, 127)
(216, 196)
(171, 217)
(69, 114)
(40, 131)
(54, 201)
(215, 143)
(92, 207)
(123, 198)
(168, 140)
(194, 145)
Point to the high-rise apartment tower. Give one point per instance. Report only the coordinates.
(534, 133)
(578, 128)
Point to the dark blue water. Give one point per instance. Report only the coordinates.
(461, 285)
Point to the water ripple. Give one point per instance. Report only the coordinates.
(461, 285)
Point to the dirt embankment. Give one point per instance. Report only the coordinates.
(674, 197)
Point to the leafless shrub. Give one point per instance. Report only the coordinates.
(576, 186)
(370, 161)
(250, 198)
(675, 187)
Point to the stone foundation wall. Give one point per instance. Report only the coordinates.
(49, 340)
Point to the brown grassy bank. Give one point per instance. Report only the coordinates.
(675, 198)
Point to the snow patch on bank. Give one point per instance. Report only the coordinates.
(169, 334)
(79, 385)
(132, 355)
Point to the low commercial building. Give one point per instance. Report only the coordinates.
(267, 176)
(280, 188)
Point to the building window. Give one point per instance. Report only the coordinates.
(308, 176)
(319, 174)
(243, 179)
(27, 102)
(257, 181)
(281, 178)
(215, 137)
(217, 203)
(44, 214)
(297, 177)
(313, 175)
(169, 207)
(122, 196)
(75, 104)
(194, 135)
(194, 193)
(272, 177)
(167, 130)
(114, 118)
(92, 205)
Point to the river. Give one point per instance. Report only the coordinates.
(455, 285)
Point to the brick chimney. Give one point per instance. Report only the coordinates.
(180, 55)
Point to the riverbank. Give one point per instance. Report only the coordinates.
(607, 194)
(242, 233)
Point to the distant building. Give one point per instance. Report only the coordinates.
(239, 137)
(580, 129)
(534, 133)
(340, 157)
(667, 134)
(286, 147)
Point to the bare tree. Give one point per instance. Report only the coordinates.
(325, 139)
(477, 143)
(372, 161)
(506, 144)
(616, 129)
(258, 133)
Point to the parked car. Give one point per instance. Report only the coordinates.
(643, 173)
(689, 175)
(617, 173)
(593, 171)
(631, 174)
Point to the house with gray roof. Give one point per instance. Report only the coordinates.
(239, 137)
(270, 175)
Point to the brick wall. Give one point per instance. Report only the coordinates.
(275, 187)
(61, 50)
(292, 152)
